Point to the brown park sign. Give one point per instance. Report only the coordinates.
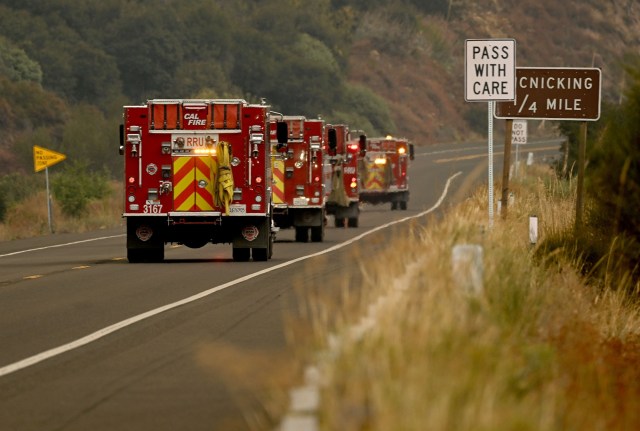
(554, 94)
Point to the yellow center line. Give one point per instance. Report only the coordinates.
(81, 267)
(32, 277)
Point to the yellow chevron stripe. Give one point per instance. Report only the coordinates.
(375, 179)
(183, 183)
(202, 203)
(278, 182)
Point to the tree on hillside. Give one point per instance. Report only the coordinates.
(615, 163)
(16, 65)
(610, 243)
(88, 139)
(146, 45)
(71, 67)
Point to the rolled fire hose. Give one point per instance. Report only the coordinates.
(338, 194)
(224, 182)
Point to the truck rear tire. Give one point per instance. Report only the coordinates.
(140, 255)
(353, 222)
(339, 222)
(302, 234)
(394, 206)
(260, 254)
(317, 233)
(403, 205)
(241, 254)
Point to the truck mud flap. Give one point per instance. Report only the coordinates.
(308, 217)
(252, 233)
(145, 240)
(352, 211)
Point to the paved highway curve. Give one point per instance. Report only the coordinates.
(90, 341)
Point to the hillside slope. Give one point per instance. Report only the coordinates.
(420, 69)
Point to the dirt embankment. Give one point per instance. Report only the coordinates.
(420, 71)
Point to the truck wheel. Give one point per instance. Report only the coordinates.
(302, 234)
(353, 222)
(260, 254)
(317, 233)
(339, 222)
(139, 255)
(403, 205)
(135, 255)
(394, 206)
(241, 254)
(271, 241)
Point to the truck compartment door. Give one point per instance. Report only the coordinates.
(194, 181)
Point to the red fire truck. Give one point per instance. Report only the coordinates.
(341, 174)
(298, 195)
(384, 171)
(197, 172)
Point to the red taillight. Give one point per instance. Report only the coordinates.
(316, 179)
(353, 146)
(132, 180)
(258, 180)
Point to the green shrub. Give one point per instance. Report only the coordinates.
(14, 188)
(75, 187)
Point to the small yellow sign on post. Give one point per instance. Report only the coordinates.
(43, 158)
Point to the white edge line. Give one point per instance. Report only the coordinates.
(61, 245)
(48, 354)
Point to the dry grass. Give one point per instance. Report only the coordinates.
(536, 350)
(29, 217)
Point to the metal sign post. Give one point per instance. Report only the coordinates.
(505, 168)
(490, 169)
(42, 159)
(49, 211)
(490, 70)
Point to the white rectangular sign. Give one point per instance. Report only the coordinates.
(519, 132)
(490, 70)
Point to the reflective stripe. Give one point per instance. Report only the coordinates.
(278, 182)
(375, 178)
(194, 179)
(183, 183)
(204, 171)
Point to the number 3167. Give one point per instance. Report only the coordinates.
(152, 209)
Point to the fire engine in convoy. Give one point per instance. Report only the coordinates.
(197, 172)
(298, 193)
(341, 174)
(384, 171)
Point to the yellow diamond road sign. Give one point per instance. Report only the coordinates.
(43, 158)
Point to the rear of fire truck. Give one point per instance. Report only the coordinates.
(341, 174)
(384, 171)
(298, 196)
(197, 172)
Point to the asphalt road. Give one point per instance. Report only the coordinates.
(91, 342)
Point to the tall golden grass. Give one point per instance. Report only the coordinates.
(537, 349)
